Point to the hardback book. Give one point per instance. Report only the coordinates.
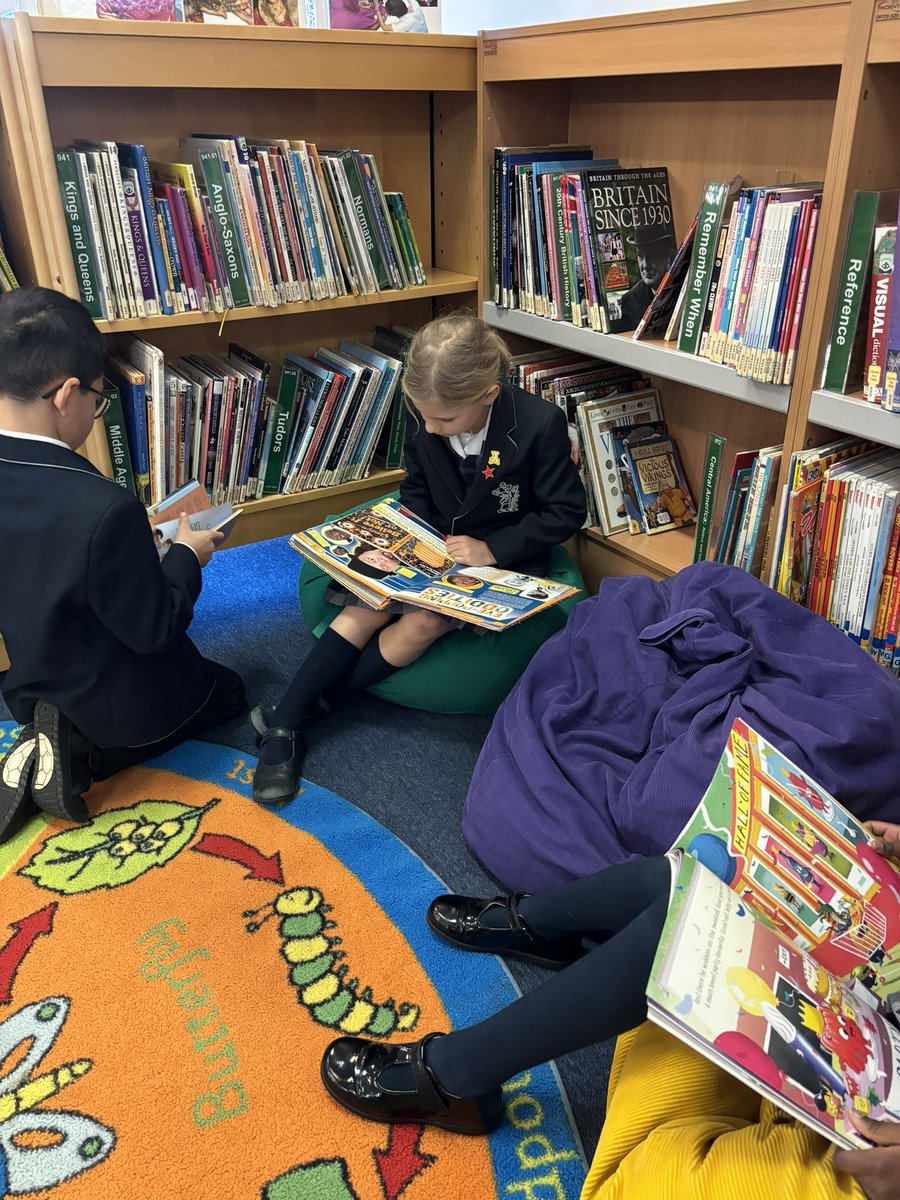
(632, 238)
(709, 485)
(703, 252)
(598, 420)
(844, 355)
(891, 396)
(777, 957)
(881, 292)
(117, 439)
(383, 553)
(655, 321)
(661, 488)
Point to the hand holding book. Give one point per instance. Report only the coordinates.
(470, 552)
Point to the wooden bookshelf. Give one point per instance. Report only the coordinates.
(409, 99)
(778, 90)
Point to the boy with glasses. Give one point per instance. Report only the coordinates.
(102, 674)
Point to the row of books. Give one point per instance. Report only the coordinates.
(214, 418)
(291, 14)
(863, 350)
(735, 291)
(233, 223)
(830, 541)
(630, 467)
(592, 243)
(569, 233)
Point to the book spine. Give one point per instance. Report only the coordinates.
(284, 409)
(103, 278)
(141, 242)
(179, 282)
(117, 440)
(851, 292)
(327, 226)
(187, 246)
(702, 257)
(891, 392)
(797, 316)
(379, 227)
(364, 220)
(124, 302)
(136, 157)
(707, 505)
(879, 628)
(225, 230)
(110, 159)
(76, 227)
(726, 278)
(712, 295)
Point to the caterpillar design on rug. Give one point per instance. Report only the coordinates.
(309, 950)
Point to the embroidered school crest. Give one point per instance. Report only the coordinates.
(508, 496)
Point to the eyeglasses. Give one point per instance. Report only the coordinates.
(101, 404)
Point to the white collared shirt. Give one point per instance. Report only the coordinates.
(465, 444)
(34, 437)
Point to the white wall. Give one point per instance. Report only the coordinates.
(468, 16)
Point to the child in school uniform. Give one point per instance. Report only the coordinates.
(102, 673)
(490, 467)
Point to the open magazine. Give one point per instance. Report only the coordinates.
(780, 955)
(384, 553)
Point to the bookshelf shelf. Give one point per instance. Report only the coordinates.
(409, 100)
(852, 414)
(662, 555)
(154, 55)
(721, 37)
(440, 283)
(654, 358)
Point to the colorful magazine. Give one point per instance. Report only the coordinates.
(383, 553)
(780, 956)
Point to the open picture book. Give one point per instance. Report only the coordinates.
(384, 553)
(780, 955)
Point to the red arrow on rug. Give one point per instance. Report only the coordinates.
(27, 932)
(220, 845)
(401, 1161)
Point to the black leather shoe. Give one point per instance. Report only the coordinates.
(351, 1067)
(62, 772)
(16, 775)
(274, 783)
(261, 716)
(458, 920)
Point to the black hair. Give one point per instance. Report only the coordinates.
(367, 569)
(44, 337)
(396, 8)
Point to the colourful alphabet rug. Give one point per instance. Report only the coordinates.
(171, 973)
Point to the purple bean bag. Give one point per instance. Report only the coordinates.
(604, 747)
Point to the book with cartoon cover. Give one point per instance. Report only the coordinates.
(780, 955)
(383, 553)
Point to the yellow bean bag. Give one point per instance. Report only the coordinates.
(679, 1128)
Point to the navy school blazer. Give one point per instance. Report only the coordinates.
(527, 496)
(91, 620)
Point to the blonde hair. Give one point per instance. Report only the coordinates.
(455, 359)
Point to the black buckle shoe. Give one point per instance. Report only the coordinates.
(261, 716)
(458, 920)
(351, 1070)
(16, 776)
(274, 783)
(61, 774)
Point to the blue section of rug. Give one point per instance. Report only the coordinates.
(409, 770)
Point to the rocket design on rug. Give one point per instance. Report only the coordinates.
(41, 1148)
(308, 949)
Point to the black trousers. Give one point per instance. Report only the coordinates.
(227, 700)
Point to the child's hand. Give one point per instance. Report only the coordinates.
(877, 1171)
(887, 838)
(201, 541)
(469, 552)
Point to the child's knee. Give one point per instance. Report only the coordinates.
(424, 627)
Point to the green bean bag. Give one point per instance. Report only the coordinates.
(464, 672)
